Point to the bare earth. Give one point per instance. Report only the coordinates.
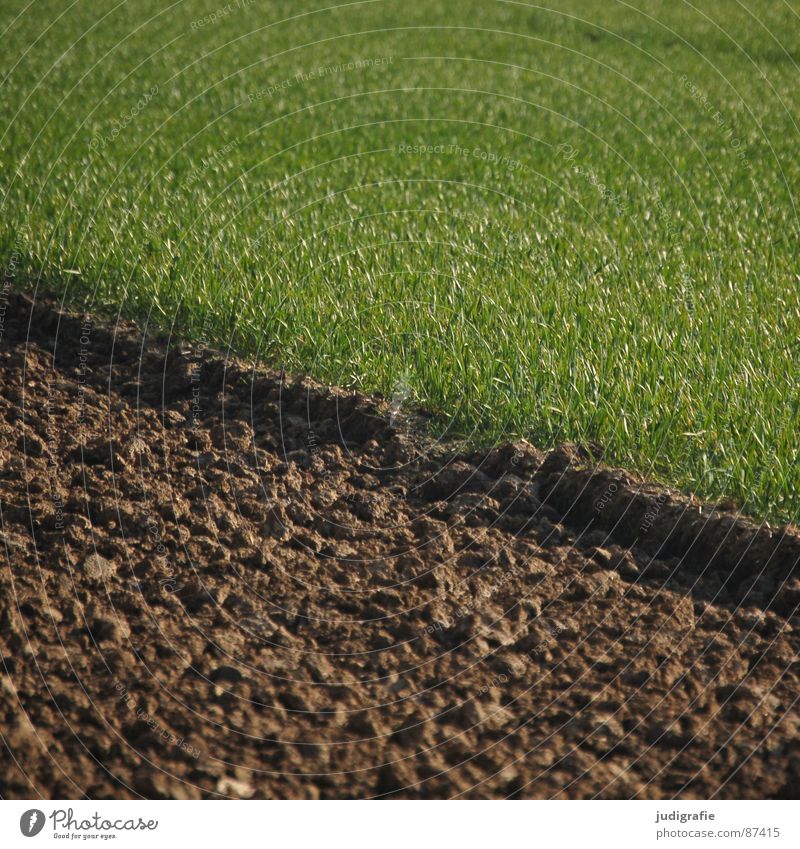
(220, 581)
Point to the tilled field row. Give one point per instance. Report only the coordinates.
(221, 580)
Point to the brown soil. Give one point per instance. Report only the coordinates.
(219, 581)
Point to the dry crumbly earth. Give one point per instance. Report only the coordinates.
(222, 581)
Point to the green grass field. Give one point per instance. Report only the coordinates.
(575, 223)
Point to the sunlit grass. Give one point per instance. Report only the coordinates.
(565, 224)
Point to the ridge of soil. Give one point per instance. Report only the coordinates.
(222, 581)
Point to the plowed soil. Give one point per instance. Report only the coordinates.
(223, 581)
